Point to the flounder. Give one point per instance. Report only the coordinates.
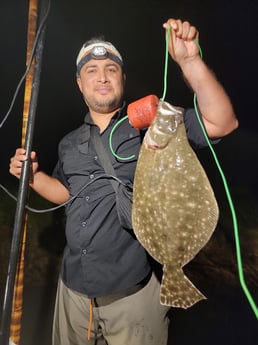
(174, 208)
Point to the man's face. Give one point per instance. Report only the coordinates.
(102, 85)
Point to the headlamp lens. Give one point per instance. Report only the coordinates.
(99, 52)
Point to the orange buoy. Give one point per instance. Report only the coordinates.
(142, 112)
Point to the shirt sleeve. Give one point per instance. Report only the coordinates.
(58, 173)
(194, 131)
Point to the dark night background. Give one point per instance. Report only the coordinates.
(228, 37)
(228, 32)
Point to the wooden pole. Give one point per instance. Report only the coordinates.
(17, 307)
(22, 192)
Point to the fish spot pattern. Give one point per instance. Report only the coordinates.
(174, 208)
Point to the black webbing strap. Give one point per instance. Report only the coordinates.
(102, 154)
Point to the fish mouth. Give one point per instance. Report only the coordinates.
(154, 147)
(153, 144)
(150, 143)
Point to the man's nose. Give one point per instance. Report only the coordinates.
(102, 76)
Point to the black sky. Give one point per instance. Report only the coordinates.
(228, 37)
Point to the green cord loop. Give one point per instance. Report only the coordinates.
(111, 137)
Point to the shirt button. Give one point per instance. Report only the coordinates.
(87, 198)
(92, 176)
(95, 158)
(84, 224)
(84, 251)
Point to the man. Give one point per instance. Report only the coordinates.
(106, 286)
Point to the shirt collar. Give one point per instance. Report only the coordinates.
(85, 133)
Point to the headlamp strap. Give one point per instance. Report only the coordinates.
(98, 53)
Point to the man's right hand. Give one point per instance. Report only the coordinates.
(17, 160)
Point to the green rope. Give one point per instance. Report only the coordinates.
(111, 137)
(166, 65)
(196, 41)
(231, 205)
(234, 218)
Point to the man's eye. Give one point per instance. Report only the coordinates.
(112, 69)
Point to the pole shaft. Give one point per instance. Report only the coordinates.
(21, 200)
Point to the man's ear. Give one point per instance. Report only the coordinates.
(79, 83)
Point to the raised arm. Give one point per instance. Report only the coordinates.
(48, 187)
(215, 106)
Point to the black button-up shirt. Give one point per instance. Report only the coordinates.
(101, 257)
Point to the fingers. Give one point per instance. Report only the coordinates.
(183, 30)
(33, 157)
(17, 160)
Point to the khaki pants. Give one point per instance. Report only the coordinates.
(138, 319)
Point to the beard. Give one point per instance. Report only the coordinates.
(104, 105)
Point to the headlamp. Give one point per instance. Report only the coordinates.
(98, 52)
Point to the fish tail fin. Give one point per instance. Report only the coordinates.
(177, 290)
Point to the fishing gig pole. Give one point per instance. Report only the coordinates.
(13, 299)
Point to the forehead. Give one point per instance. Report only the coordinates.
(101, 64)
